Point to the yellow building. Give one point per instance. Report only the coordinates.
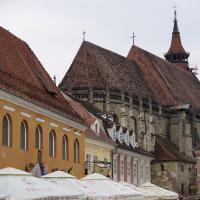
(98, 145)
(36, 123)
(98, 153)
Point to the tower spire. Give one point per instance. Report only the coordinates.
(175, 30)
(176, 53)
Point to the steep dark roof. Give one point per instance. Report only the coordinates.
(23, 75)
(170, 84)
(96, 67)
(165, 150)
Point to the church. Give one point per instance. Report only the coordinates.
(154, 109)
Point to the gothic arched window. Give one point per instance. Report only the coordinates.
(38, 137)
(76, 151)
(52, 144)
(6, 130)
(64, 148)
(24, 135)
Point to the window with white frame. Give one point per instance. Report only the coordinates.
(95, 158)
(114, 134)
(6, 130)
(128, 168)
(76, 151)
(88, 160)
(127, 137)
(52, 144)
(38, 138)
(88, 157)
(135, 168)
(97, 127)
(64, 148)
(122, 167)
(23, 136)
(133, 138)
(120, 137)
(114, 166)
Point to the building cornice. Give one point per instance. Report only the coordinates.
(41, 110)
(134, 154)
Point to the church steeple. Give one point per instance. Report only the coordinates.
(175, 29)
(176, 53)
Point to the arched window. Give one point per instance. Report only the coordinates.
(133, 126)
(6, 130)
(64, 148)
(38, 137)
(76, 151)
(24, 136)
(52, 144)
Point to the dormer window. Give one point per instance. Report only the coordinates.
(97, 128)
(127, 138)
(120, 137)
(132, 140)
(114, 134)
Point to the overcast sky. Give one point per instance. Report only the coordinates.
(53, 28)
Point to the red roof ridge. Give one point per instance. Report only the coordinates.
(166, 79)
(94, 66)
(23, 75)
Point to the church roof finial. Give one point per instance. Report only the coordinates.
(175, 30)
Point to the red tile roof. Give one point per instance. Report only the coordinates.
(165, 150)
(81, 110)
(176, 44)
(23, 75)
(97, 67)
(170, 84)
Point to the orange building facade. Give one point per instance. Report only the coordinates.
(36, 123)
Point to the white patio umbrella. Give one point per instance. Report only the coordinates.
(147, 195)
(69, 182)
(65, 180)
(107, 186)
(159, 191)
(20, 185)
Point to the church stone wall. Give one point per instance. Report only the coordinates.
(174, 130)
(175, 176)
(165, 175)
